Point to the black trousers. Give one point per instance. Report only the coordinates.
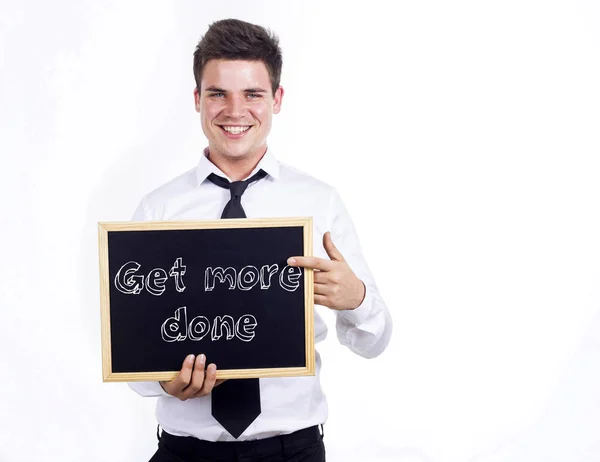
(302, 446)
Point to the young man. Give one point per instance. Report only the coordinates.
(237, 67)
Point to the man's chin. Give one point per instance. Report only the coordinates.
(233, 152)
(237, 149)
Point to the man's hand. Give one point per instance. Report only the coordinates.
(336, 285)
(193, 381)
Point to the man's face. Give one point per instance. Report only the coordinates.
(236, 105)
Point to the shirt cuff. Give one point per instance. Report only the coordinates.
(361, 313)
(150, 389)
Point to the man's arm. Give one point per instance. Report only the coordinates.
(345, 284)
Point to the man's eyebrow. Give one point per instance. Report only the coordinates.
(247, 90)
(217, 89)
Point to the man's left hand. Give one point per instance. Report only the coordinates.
(336, 285)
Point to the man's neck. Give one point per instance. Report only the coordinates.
(236, 169)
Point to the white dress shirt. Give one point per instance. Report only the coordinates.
(288, 403)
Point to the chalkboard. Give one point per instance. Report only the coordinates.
(222, 288)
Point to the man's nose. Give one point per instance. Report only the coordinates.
(236, 107)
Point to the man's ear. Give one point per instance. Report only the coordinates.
(197, 99)
(277, 98)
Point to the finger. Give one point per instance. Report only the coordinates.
(183, 379)
(331, 249)
(197, 378)
(321, 277)
(321, 289)
(217, 383)
(209, 380)
(321, 300)
(321, 264)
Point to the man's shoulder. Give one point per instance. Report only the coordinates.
(293, 175)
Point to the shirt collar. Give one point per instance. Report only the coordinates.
(268, 163)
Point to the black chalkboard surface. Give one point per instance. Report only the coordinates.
(222, 288)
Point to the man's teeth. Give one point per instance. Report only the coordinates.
(235, 130)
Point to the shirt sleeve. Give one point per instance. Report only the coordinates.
(148, 389)
(367, 329)
(142, 211)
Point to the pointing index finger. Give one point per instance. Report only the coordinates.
(321, 264)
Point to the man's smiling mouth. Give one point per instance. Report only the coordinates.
(235, 129)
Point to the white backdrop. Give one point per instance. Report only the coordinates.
(475, 125)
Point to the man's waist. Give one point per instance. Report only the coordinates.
(192, 445)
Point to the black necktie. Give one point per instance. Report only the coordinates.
(236, 402)
(233, 208)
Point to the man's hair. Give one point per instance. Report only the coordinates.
(233, 39)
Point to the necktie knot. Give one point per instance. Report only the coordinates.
(234, 209)
(237, 188)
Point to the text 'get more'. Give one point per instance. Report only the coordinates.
(128, 279)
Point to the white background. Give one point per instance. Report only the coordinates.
(464, 139)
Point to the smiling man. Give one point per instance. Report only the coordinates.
(237, 68)
(236, 103)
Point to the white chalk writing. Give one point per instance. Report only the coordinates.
(177, 329)
(249, 276)
(129, 282)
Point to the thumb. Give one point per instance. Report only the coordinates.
(331, 249)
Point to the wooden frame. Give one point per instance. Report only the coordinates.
(105, 227)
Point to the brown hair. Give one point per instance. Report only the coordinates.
(239, 40)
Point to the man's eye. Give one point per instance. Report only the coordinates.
(218, 94)
(253, 95)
